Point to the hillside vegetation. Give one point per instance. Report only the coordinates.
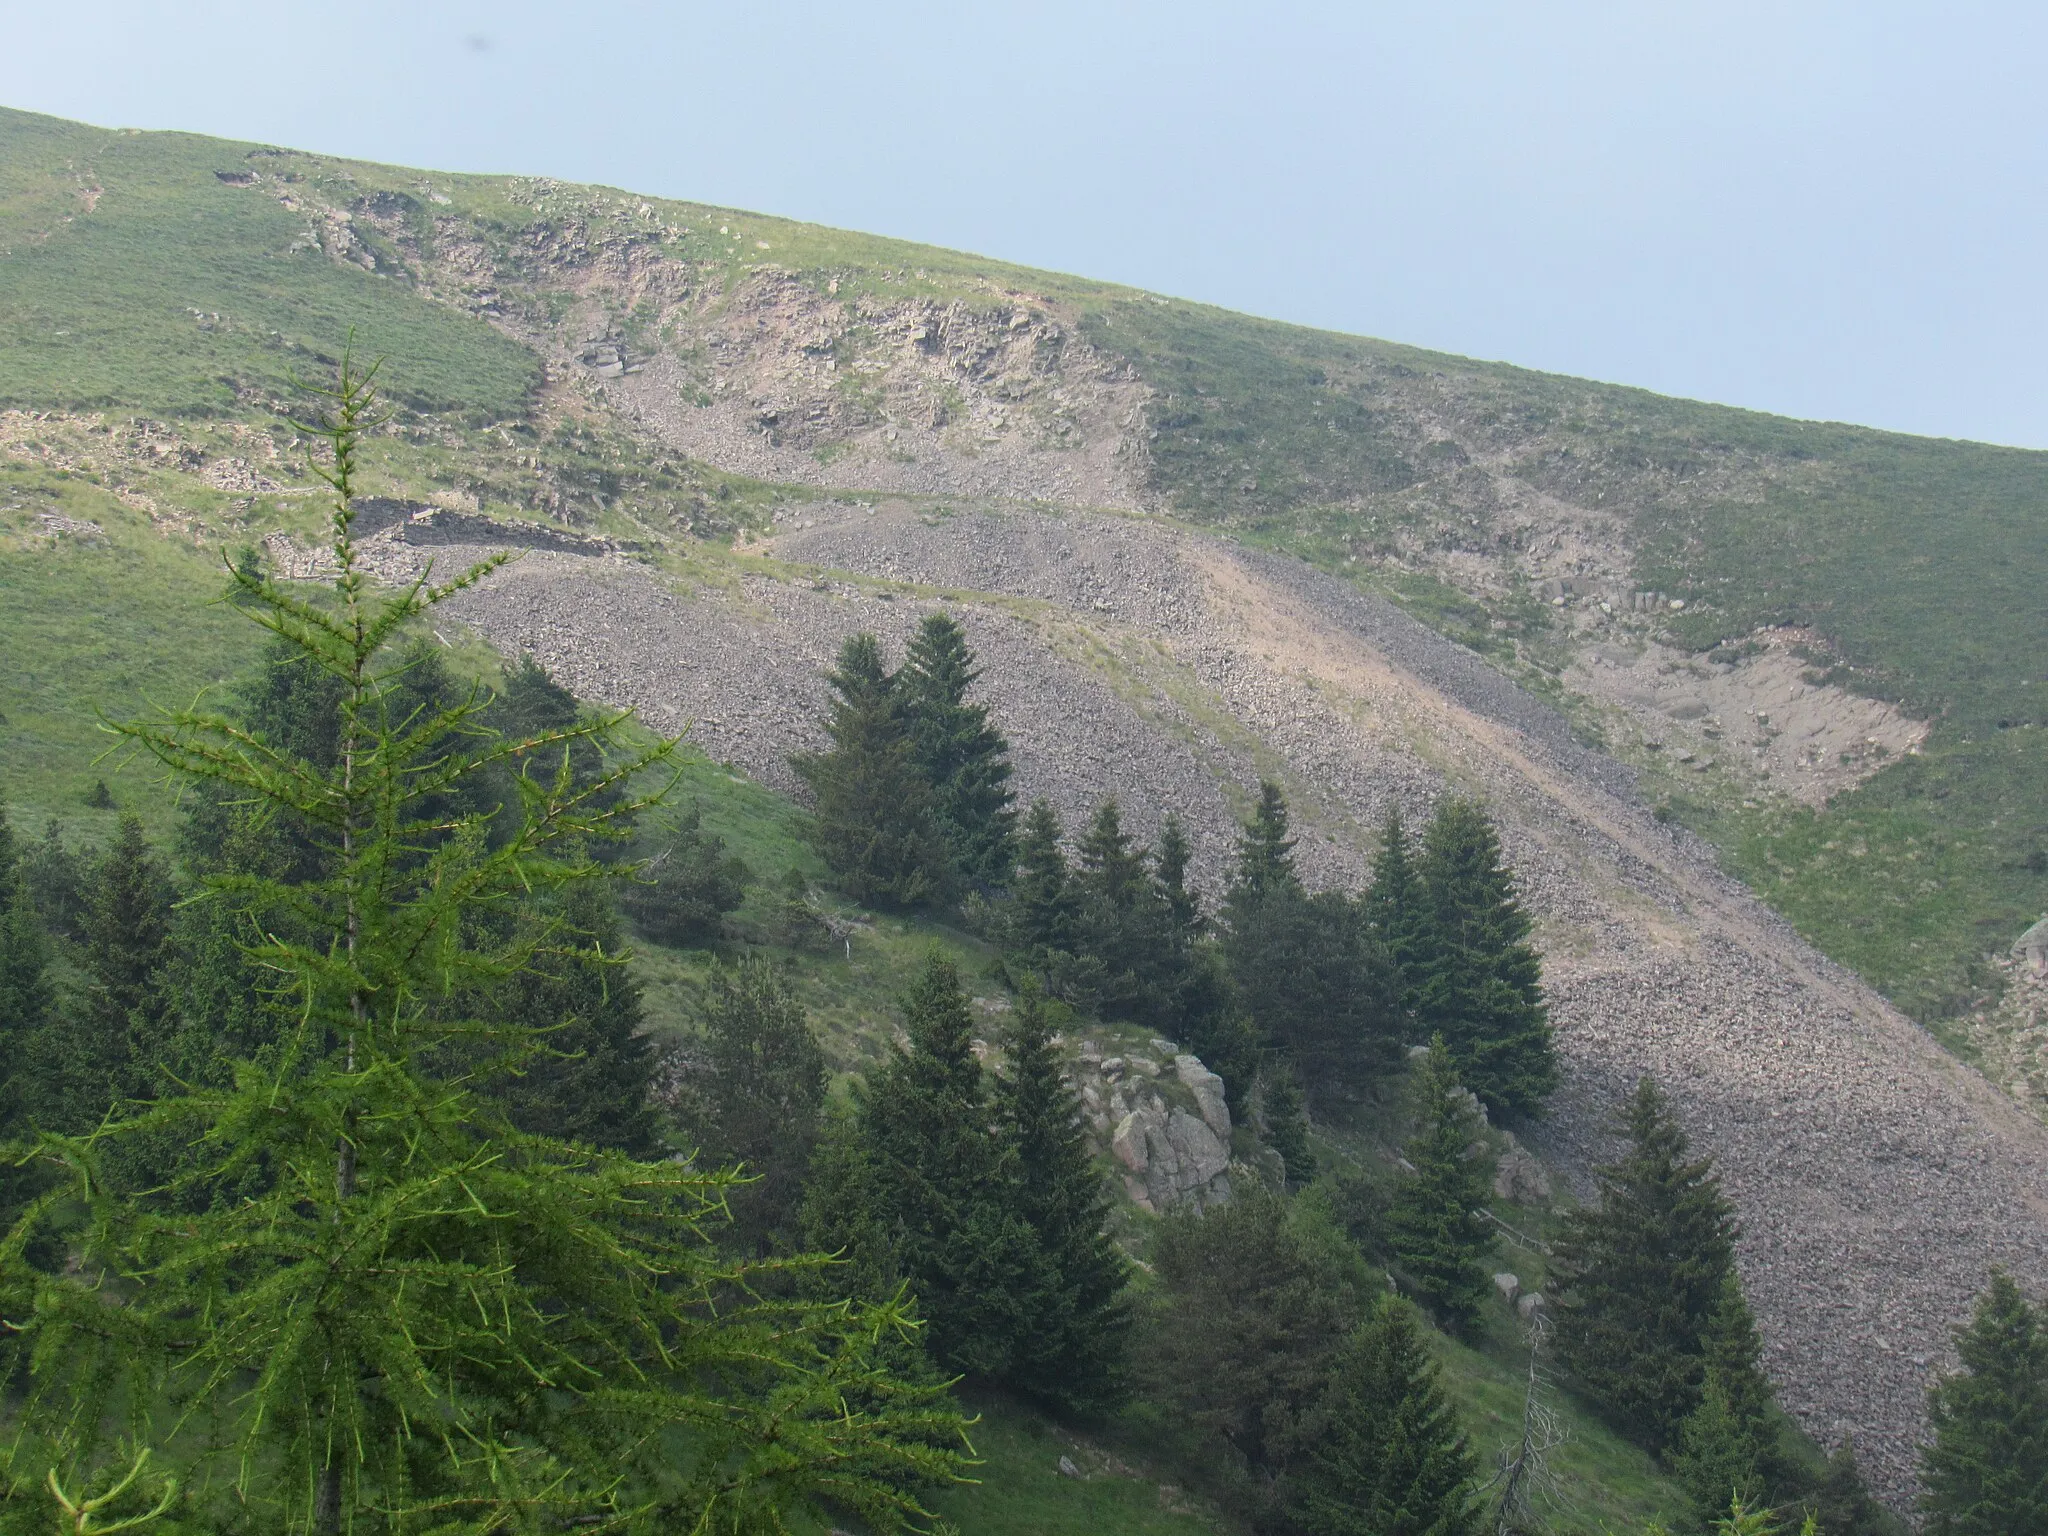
(178, 276)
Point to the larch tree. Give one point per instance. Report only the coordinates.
(373, 1336)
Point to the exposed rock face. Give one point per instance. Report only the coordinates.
(1163, 1118)
(1877, 1178)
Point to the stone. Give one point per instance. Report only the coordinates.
(2032, 947)
(1207, 1088)
(1067, 1467)
(1509, 1286)
(1517, 1176)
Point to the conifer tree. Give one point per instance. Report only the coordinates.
(1727, 1446)
(56, 877)
(1439, 1243)
(1044, 911)
(1282, 1117)
(757, 1096)
(1641, 1273)
(376, 1336)
(1386, 1455)
(25, 995)
(1189, 998)
(1072, 1352)
(876, 825)
(1396, 913)
(1302, 967)
(1170, 860)
(949, 1185)
(1265, 853)
(1842, 1505)
(1251, 1307)
(1480, 984)
(1120, 921)
(1986, 1472)
(588, 1081)
(107, 1047)
(963, 757)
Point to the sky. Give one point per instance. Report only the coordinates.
(1826, 210)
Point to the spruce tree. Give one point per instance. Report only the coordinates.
(1303, 968)
(1641, 1274)
(25, 994)
(1120, 923)
(589, 1080)
(1727, 1446)
(1251, 1306)
(1072, 1352)
(1265, 852)
(948, 1184)
(1189, 999)
(1439, 1243)
(963, 757)
(1842, 1505)
(1480, 984)
(1386, 1455)
(1281, 1115)
(108, 1043)
(755, 1096)
(1986, 1472)
(875, 821)
(1396, 913)
(420, 1317)
(1044, 913)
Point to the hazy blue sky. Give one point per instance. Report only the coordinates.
(1831, 210)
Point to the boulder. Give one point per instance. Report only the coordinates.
(2032, 947)
(1517, 1176)
(1207, 1088)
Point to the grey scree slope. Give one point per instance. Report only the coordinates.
(1878, 1179)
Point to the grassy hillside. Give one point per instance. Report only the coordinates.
(175, 276)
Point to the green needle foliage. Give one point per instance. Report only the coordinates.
(1386, 1455)
(1438, 1241)
(1479, 984)
(398, 1312)
(1642, 1274)
(1074, 1352)
(964, 758)
(1728, 1445)
(877, 824)
(1986, 1473)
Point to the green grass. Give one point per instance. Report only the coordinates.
(113, 306)
(1023, 1493)
(106, 625)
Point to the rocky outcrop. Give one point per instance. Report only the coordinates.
(1160, 1113)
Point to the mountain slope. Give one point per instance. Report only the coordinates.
(1787, 634)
